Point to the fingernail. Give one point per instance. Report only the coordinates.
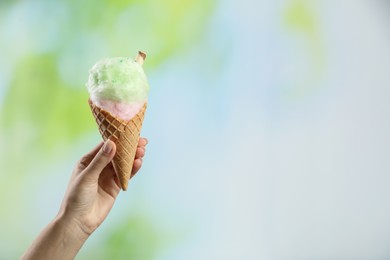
(147, 141)
(107, 147)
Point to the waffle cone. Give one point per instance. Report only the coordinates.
(125, 134)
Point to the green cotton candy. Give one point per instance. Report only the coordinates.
(119, 80)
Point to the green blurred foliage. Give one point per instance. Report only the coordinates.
(134, 238)
(301, 19)
(47, 104)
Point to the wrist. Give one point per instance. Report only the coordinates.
(61, 239)
(71, 228)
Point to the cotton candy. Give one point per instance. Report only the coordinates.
(118, 85)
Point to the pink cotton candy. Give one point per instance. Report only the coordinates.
(122, 110)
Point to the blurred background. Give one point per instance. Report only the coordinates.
(268, 126)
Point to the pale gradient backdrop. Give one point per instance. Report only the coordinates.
(268, 124)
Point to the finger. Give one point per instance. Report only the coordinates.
(101, 160)
(108, 181)
(140, 152)
(86, 159)
(142, 141)
(136, 166)
(107, 173)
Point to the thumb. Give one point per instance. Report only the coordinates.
(101, 159)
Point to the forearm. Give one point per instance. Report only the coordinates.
(61, 239)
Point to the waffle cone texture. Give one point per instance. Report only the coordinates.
(125, 134)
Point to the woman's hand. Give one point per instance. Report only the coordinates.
(91, 193)
(94, 186)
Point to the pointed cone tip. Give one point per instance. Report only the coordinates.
(124, 187)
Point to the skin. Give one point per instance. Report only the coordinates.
(91, 193)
